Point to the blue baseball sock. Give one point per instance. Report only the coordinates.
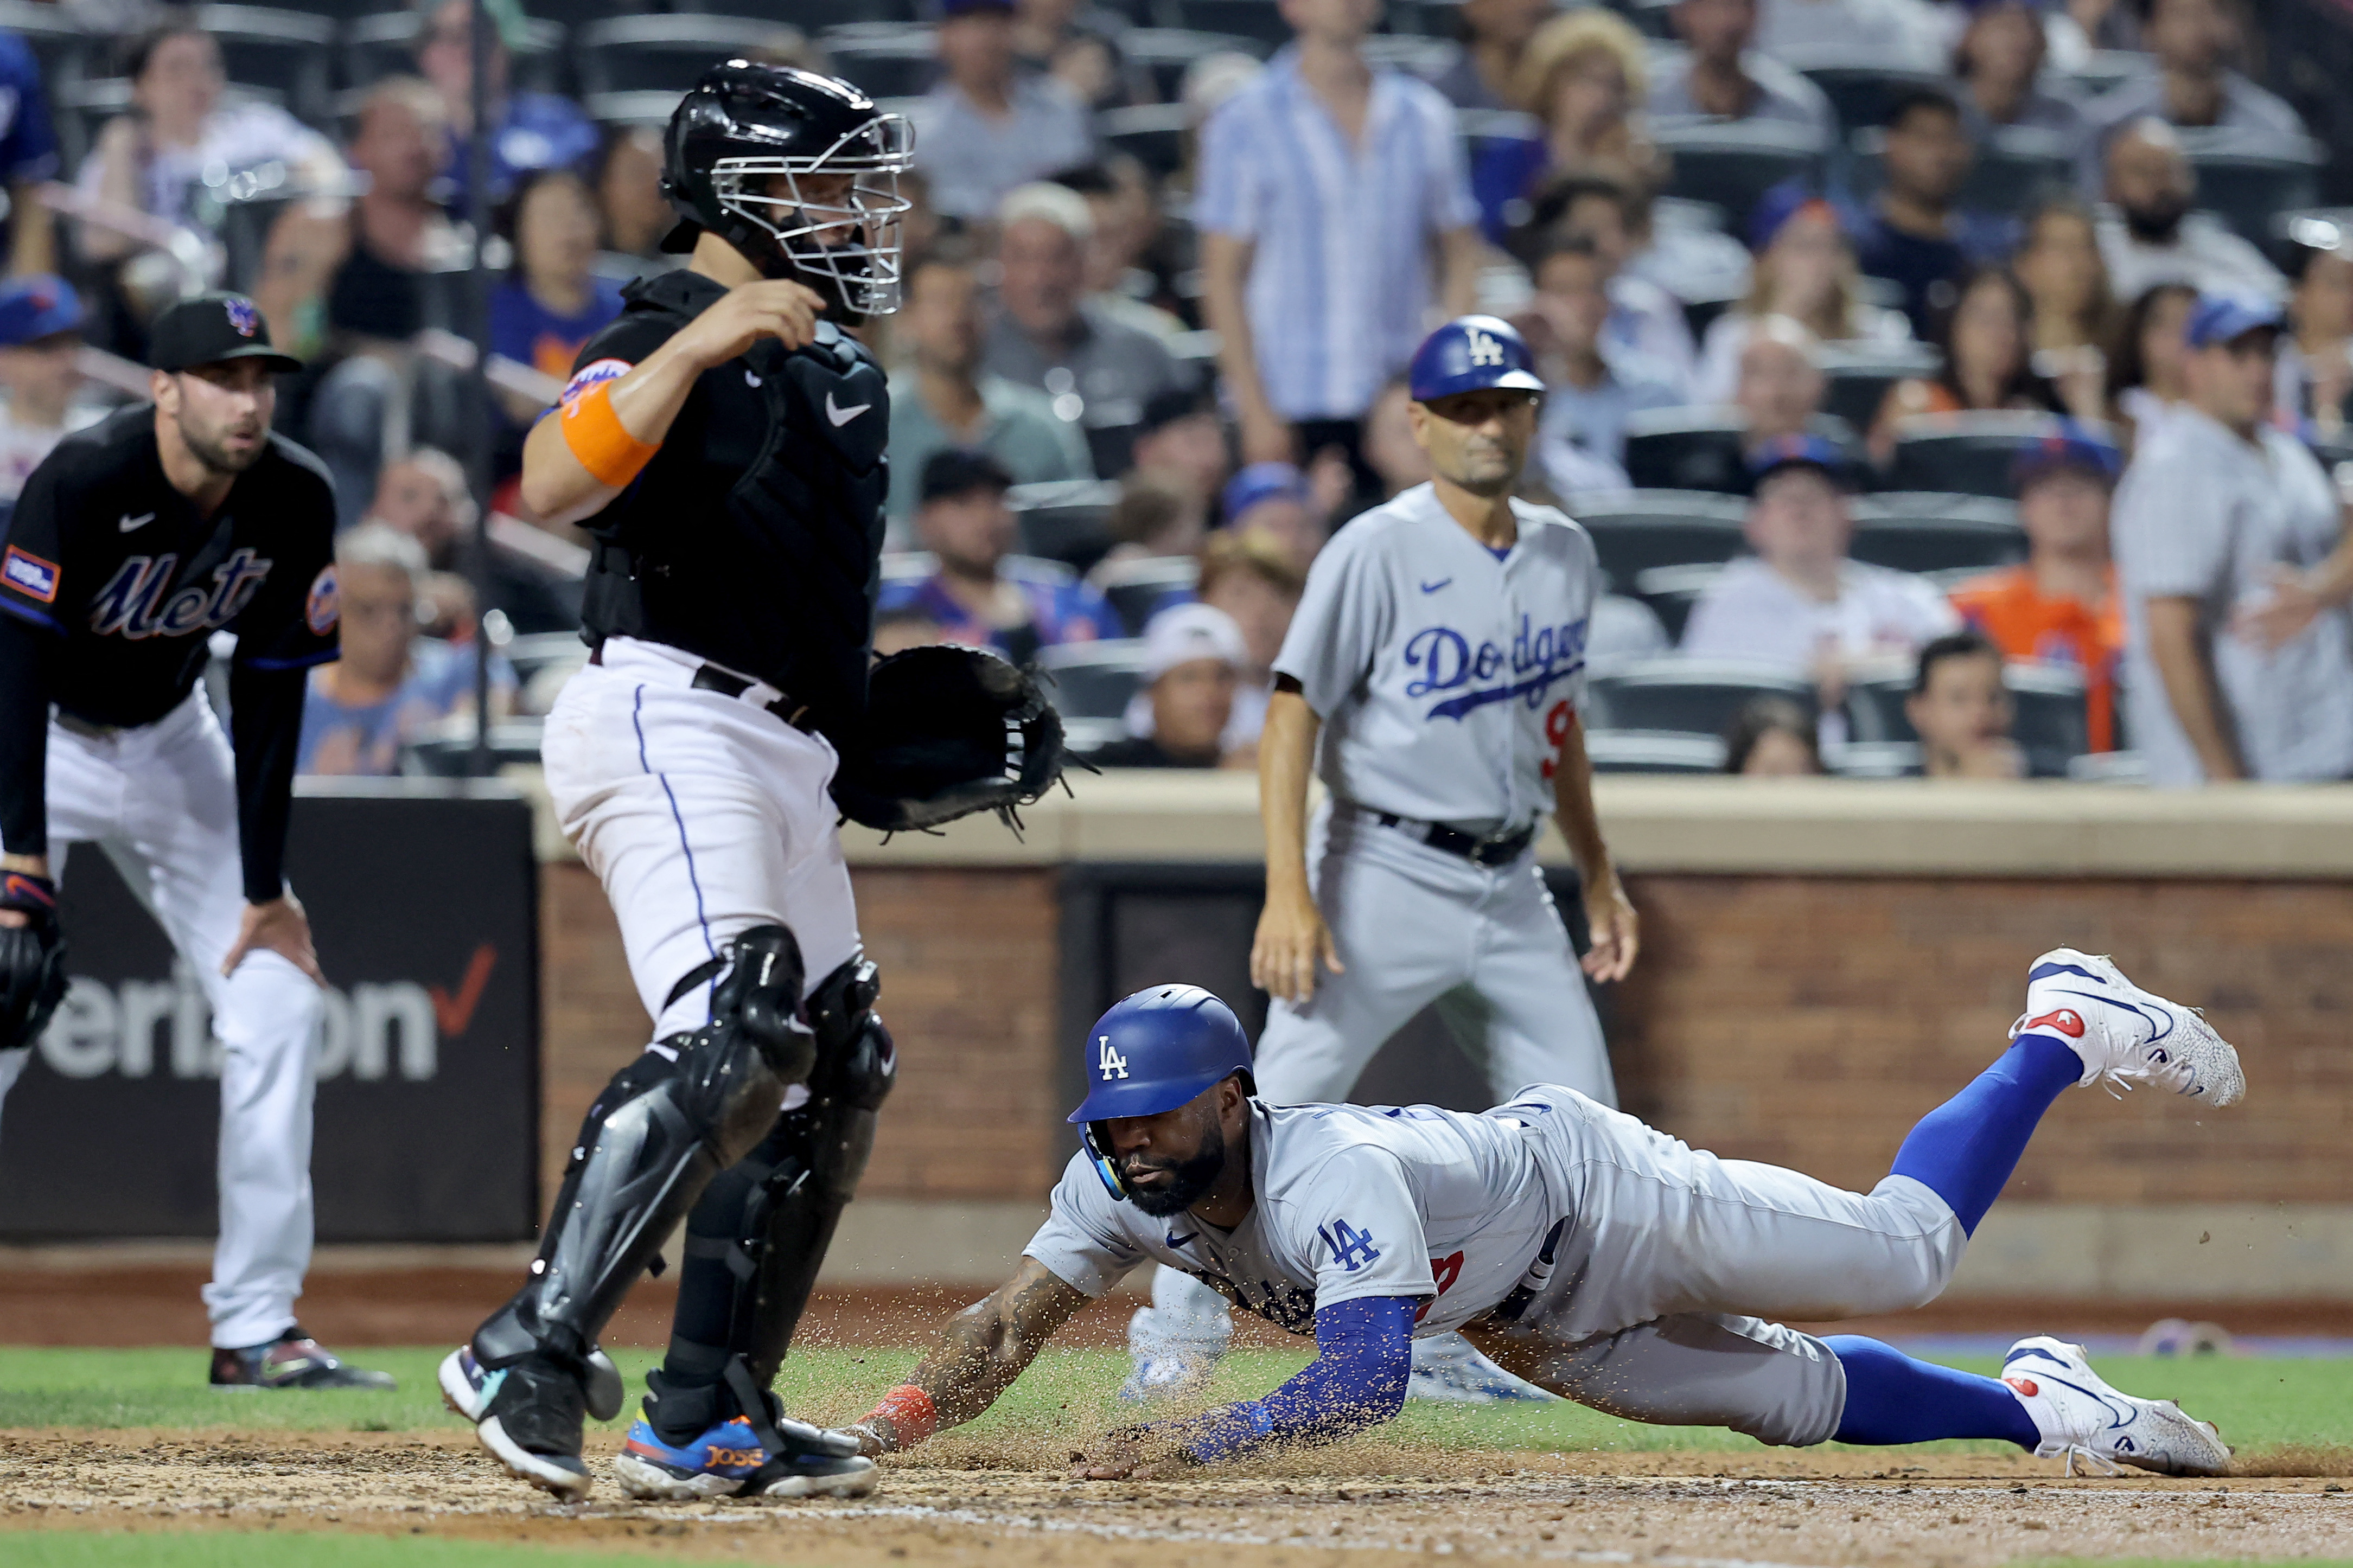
(1891, 1399)
(1965, 1150)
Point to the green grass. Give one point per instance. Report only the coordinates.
(2258, 1404)
(273, 1549)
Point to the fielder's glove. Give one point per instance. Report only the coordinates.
(32, 959)
(949, 730)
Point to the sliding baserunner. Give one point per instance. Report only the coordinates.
(1585, 1251)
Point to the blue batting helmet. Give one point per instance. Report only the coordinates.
(1472, 353)
(1159, 1049)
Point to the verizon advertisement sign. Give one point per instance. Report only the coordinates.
(423, 897)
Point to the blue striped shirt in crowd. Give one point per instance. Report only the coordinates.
(1339, 281)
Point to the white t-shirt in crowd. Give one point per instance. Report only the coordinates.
(1753, 612)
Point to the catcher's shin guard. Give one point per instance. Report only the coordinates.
(755, 1242)
(651, 1143)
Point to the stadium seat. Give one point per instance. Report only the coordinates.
(1966, 453)
(1729, 166)
(1937, 533)
(810, 15)
(888, 62)
(384, 44)
(1167, 52)
(1858, 374)
(1259, 20)
(1093, 679)
(513, 740)
(1686, 449)
(1634, 530)
(1861, 91)
(1065, 520)
(1139, 588)
(660, 52)
(1086, 736)
(651, 108)
(2248, 190)
(1672, 590)
(1687, 696)
(1653, 752)
(1151, 133)
(2050, 727)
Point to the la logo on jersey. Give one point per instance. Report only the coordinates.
(133, 605)
(1485, 350)
(1109, 1062)
(1351, 1248)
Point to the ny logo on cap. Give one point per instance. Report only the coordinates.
(1485, 350)
(242, 318)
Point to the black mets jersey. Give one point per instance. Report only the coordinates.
(753, 538)
(102, 552)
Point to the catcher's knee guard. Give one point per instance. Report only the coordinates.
(771, 1218)
(651, 1143)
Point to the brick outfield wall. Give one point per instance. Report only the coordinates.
(1805, 1021)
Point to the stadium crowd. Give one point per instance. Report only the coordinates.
(1952, 387)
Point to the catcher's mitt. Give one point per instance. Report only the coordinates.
(32, 959)
(949, 730)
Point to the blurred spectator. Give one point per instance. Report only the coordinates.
(1130, 262)
(1193, 659)
(1049, 333)
(2195, 43)
(1914, 235)
(1999, 62)
(2315, 357)
(2082, 26)
(978, 594)
(1485, 74)
(1077, 45)
(1182, 445)
(1962, 711)
(986, 128)
(1804, 271)
(553, 301)
(1720, 78)
(40, 336)
(1772, 737)
(1615, 217)
(1377, 173)
(1986, 337)
(155, 158)
(635, 213)
(1252, 578)
(896, 631)
(2060, 606)
(2153, 237)
(424, 497)
(1274, 500)
(1583, 77)
(1800, 600)
(940, 397)
(2147, 374)
(390, 687)
(2074, 316)
(1779, 393)
(1151, 522)
(28, 155)
(1591, 387)
(1625, 628)
(1389, 446)
(528, 129)
(1889, 32)
(2235, 568)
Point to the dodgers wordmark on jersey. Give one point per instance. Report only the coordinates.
(1351, 1201)
(1446, 677)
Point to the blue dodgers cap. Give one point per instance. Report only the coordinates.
(39, 306)
(2225, 318)
(1261, 482)
(1158, 1049)
(2072, 445)
(1770, 456)
(1472, 353)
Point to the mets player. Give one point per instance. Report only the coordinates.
(134, 542)
(1431, 674)
(723, 442)
(1607, 1261)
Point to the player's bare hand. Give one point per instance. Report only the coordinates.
(1291, 940)
(1616, 929)
(771, 307)
(280, 927)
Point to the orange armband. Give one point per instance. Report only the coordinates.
(911, 1413)
(599, 439)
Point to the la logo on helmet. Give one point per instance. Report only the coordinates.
(1109, 1062)
(1485, 350)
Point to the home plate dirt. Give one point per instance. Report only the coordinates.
(1331, 1506)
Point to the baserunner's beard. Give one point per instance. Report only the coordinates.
(1189, 1179)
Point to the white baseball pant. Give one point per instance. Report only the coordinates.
(161, 800)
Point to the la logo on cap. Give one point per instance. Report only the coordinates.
(1485, 350)
(242, 318)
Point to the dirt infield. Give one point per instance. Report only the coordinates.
(985, 1506)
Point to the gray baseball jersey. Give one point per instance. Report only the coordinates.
(1351, 1202)
(1445, 678)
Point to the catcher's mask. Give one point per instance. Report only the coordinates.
(797, 171)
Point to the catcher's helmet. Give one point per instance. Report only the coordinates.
(1151, 1053)
(741, 146)
(1472, 353)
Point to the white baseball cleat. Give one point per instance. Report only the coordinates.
(2080, 1416)
(2127, 1035)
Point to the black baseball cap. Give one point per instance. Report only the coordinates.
(959, 472)
(209, 328)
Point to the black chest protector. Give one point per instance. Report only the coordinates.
(754, 539)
